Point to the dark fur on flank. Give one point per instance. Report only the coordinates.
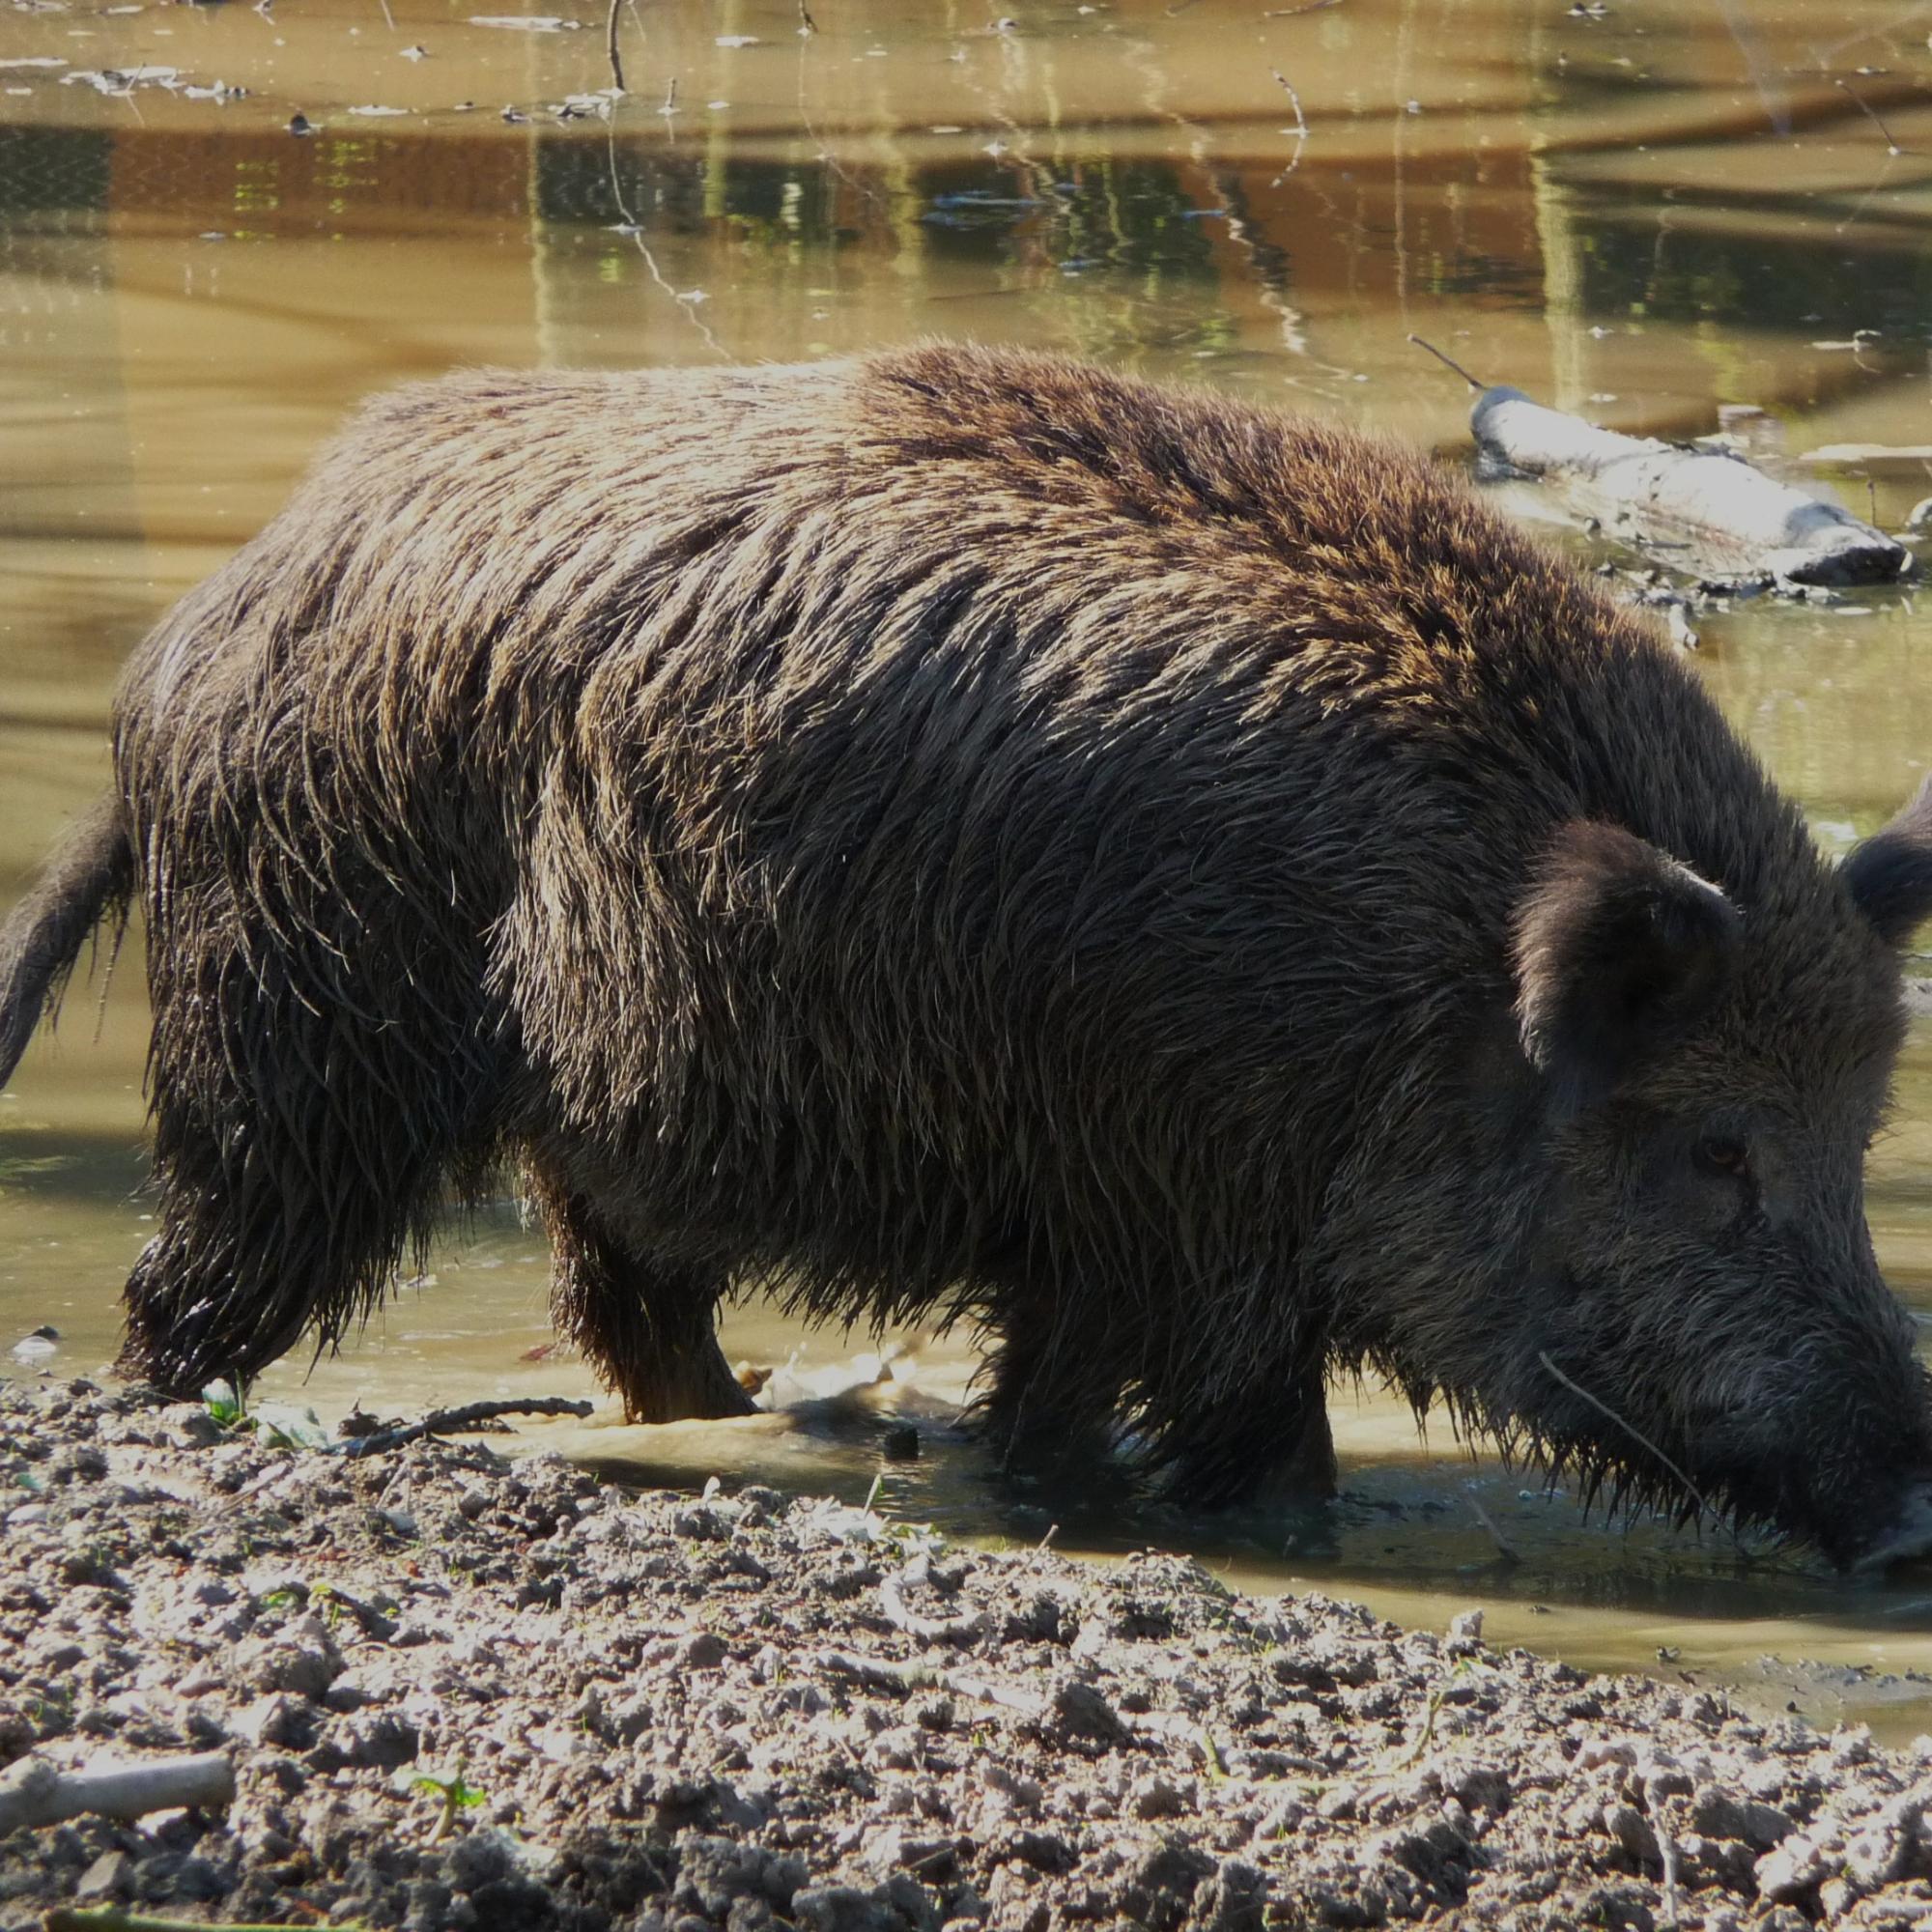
(963, 832)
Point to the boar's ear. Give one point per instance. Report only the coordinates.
(1890, 875)
(1618, 947)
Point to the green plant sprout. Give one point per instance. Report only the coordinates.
(457, 1793)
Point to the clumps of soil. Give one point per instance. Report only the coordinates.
(462, 1692)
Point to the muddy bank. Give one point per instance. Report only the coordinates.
(463, 1694)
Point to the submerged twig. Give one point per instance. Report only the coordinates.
(1299, 130)
(1871, 114)
(635, 230)
(610, 49)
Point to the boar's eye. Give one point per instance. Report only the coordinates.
(1722, 1153)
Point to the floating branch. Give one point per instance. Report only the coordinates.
(1729, 518)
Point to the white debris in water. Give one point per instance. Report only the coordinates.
(527, 23)
(124, 80)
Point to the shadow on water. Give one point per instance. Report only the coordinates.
(1652, 216)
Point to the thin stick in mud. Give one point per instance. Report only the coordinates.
(455, 1421)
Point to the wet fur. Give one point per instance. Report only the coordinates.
(956, 831)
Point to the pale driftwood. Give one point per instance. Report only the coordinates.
(34, 1792)
(1732, 519)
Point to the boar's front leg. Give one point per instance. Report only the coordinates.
(645, 1323)
(1049, 1411)
(1271, 1442)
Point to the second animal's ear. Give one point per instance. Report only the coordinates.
(1891, 873)
(1618, 948)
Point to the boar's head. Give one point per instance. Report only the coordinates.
(1702, 1318)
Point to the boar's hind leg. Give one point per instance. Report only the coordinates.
(287, 1194)
(647, 1324)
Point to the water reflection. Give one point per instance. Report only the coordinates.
(1652, 215)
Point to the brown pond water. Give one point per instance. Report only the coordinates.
(1648, 214)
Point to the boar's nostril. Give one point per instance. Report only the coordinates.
(1906, 1536)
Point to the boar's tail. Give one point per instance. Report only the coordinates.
(90, 878)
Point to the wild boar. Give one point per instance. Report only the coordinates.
(964, 834)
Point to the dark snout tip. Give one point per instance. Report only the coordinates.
(1905, 1538)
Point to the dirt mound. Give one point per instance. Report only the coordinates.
(466, 1692)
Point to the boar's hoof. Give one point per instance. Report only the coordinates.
(697, 1385)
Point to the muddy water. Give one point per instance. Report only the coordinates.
(1650, 215)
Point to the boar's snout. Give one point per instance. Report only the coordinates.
(1847, 1467)
(1902, 1533)
(1836, 1446)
